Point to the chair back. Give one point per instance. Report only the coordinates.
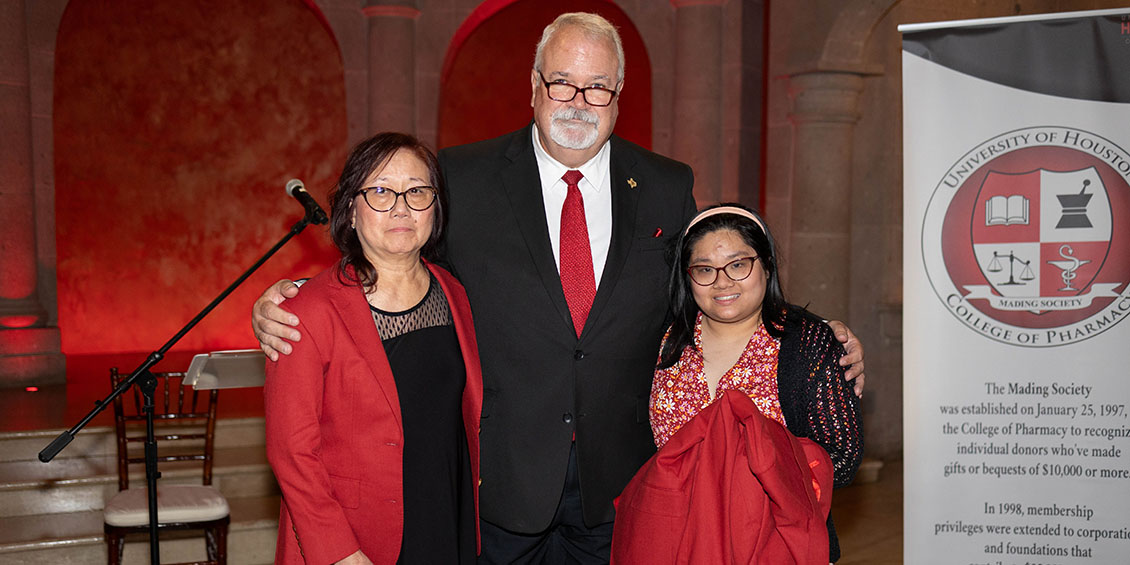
(184, 424)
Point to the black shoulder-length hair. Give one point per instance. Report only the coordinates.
(367, 157)
(684, 309)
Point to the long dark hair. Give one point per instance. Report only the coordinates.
(684, 309)
(369, 156)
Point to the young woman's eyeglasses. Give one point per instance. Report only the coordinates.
(382, 199)
(738, 270)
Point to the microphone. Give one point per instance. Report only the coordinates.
(314, 213)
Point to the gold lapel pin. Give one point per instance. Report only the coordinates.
(632, 182)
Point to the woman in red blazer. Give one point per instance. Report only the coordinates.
(372, 421)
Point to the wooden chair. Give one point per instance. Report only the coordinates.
(184, 423)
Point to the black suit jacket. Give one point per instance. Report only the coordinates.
(541, 382)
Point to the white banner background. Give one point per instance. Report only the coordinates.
(1058, 499)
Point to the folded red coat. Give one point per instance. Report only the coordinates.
(731, 486)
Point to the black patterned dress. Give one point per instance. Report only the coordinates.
(427, 365)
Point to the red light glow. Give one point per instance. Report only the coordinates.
(17, 321)
(32, 389)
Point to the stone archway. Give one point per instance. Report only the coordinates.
(825, 108)
(484, 85)
(175, 128)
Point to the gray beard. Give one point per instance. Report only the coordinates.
(574, 137)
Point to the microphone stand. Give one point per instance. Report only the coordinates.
(147, 383)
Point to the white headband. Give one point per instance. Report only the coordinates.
(724, 210)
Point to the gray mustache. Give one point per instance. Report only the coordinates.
(576, 114)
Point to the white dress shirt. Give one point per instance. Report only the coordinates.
(596, 190)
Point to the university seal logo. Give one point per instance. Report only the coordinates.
(1026, 238)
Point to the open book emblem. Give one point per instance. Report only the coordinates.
(1002, 211)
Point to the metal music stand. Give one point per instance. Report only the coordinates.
(240, 368)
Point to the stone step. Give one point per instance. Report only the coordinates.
(75, 538)
(97, 441)
(51, 512)
(85, 483)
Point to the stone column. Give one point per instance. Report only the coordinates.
(697, 124)
(824, 113)
(392, 65)
(29, 351)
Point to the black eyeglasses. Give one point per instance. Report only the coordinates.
(382, 199)
(738, 270)
(565, 92)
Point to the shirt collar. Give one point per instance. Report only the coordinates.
(551, 170)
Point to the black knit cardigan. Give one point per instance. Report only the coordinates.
(816, 401)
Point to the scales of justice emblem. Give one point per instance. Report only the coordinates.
(1040, 240)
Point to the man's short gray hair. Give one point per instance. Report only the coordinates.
(593, 25)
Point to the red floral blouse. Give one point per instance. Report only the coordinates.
(680, 391)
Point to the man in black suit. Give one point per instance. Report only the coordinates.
(566, 373)
(546, 384)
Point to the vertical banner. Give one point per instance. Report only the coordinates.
(1017, 290)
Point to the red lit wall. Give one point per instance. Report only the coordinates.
(177, 125)
(485, 85)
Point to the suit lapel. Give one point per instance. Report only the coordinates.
(358, 321)
(625, 200)
(522, 183)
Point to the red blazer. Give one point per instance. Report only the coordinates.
(732, 486)
(334, 433)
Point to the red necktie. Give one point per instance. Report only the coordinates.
(577, 278)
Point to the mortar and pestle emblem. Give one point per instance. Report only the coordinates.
(1075, 208)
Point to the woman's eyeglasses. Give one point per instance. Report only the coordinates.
(382, 199)
(738, 270)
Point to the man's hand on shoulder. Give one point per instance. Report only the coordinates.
(853, 359)
(273, 326)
